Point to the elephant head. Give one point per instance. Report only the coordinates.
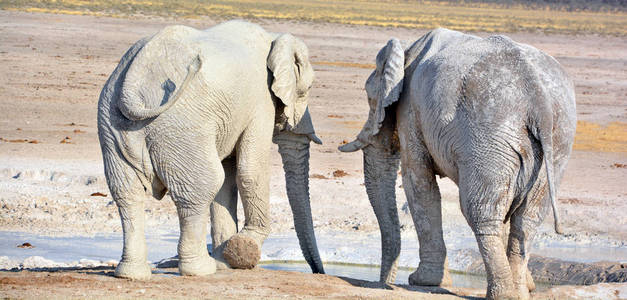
(292, 78)
(379, 141)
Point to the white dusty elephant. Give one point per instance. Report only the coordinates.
(194, 113)
(495, 116)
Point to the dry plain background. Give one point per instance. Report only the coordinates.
(53, 66)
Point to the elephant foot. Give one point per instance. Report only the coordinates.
(135, 271)
(523, 292)
(198, 266)
(242, 252)
(503, 295)
(222, 265)
(506, 290)
(430, 276)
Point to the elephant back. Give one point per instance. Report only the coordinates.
(237, 31)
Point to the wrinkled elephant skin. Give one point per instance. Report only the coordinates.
(194, 113)
(496, 117)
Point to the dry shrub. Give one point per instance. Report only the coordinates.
(339, 173)
(318, 176)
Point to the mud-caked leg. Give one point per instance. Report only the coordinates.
(224, 213)
(133, 264)
(128, 193)
(243, 250)
(194, 260)
(193, 210)
(193, 182)
(485, 197)
(523, 226)
(531, 285)
(423, 198)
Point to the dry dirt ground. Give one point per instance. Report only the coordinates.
(248, 284)
(52, 68)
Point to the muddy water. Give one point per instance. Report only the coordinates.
(106, 249)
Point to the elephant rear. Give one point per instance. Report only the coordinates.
(488, 99)
(487, 113)
(499, 119)
(121, 143)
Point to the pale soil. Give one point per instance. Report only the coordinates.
(248, 284)
(229, 284)
(52, 68)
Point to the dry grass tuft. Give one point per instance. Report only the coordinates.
(595, 137)
(485, 17)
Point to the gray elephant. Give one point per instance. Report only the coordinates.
(194, 113)
(495, 116)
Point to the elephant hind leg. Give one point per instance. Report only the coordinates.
(193, 176)
(485, 197)
(224, 213)
(523, 225)
(128, 193)
(518, 256)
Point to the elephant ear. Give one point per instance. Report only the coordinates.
(390, 72)
(292, 76)
(384, 88)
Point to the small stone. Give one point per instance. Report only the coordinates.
(26, 245)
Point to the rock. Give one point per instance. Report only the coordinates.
(26, 245)
(242, 252)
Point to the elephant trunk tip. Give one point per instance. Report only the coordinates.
(352, 146)
(319, 270)
(314, 138)
(558, 228)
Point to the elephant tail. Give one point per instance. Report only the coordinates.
(543, 131)
(541, 126)
(546, 139)
(132, 111)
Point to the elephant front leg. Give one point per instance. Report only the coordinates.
(193, 186)
(224, 213)
(243, 250)
(133, 264)
(194, 260)
(423, 197)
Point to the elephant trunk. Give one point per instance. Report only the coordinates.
(380, 172)
(294, 150)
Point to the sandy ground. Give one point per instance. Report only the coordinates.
(52, 68)
(248, 284)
